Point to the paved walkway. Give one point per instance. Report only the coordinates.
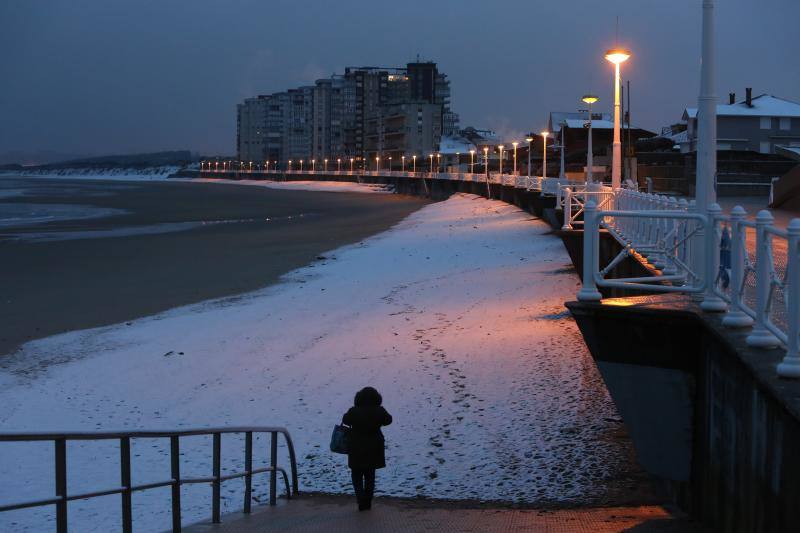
(332, 514)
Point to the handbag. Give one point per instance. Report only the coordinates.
(340, 439)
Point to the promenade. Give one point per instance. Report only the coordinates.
(335, 514)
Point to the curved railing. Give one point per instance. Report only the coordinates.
(126, 488)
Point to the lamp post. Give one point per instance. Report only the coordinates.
(377, 163)
(338, 164)
(313, 165)
(544, 155)
(414, 158)
(515, 144)
(431, 156)
(707, 116)
(486, 160)
(529, 140)
(438, 163)
(617, 56)
(501, 160)
(250, 169)
(351, 165)
(561, 151)
(326, 165)
(472, 161)
(290, 166)
(589, 99)
(390, 163)
(402, 163)
(301, 165)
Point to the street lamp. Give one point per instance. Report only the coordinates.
(438, 163)
(351, 165)
(515, 144)
(414, 158)
(529, 140)
(338, 164)
(486, 160)
(589, 99)
(326, 165)
(617, 56)
(544, 155)
(377, 163)
(501, 160)
(431, 156)
(313, 165)
(390, 163)
(402, 163)
(290, 165)
(472, 161)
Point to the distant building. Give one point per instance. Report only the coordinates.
(398, 130)
(761, 124)
(354, 115)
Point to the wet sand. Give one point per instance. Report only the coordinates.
(252, 236)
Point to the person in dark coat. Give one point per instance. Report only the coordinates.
(365, 442)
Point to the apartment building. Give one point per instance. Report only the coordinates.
(356, 114)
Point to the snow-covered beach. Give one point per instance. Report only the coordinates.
(456, 315)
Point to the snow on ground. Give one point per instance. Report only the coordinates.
(321, 186)
(123, 174)
(456, 315)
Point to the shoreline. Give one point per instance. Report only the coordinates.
(56, 286)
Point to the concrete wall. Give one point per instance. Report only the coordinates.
(707, 415)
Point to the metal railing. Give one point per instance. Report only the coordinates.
(126, 487)
(574, 202)
(748, 269)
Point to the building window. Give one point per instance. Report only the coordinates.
(766, 123)
(766, 147)
(786, 123)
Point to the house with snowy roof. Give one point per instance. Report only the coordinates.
(764, 124)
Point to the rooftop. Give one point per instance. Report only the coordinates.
(764, 105)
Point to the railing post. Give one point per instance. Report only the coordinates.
(591, 238)
(711, 301)
(61, 485)
(790, 366)
(125, 479)
(248, 468)
(735, 317)
(175, 467)
(273, 463)
(215, 485)
(761, 337)
(567, 210)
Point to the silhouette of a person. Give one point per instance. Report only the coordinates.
(365, 444)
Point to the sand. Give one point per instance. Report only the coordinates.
(54, 286)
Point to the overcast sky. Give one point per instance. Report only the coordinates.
(123, 76)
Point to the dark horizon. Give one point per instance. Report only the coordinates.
(112, 78)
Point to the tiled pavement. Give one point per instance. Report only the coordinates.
(333, 514)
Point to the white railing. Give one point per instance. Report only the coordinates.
(748, 269)
(574, 202)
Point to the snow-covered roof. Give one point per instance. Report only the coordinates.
(596, 124)
(454, 145)
(788, 151)
(764, 105)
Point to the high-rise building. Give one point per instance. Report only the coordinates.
(356, 115)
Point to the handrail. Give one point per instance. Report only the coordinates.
(126, 487)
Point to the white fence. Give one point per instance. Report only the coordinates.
(748, 269)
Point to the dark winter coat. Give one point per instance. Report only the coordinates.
(366, 439)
